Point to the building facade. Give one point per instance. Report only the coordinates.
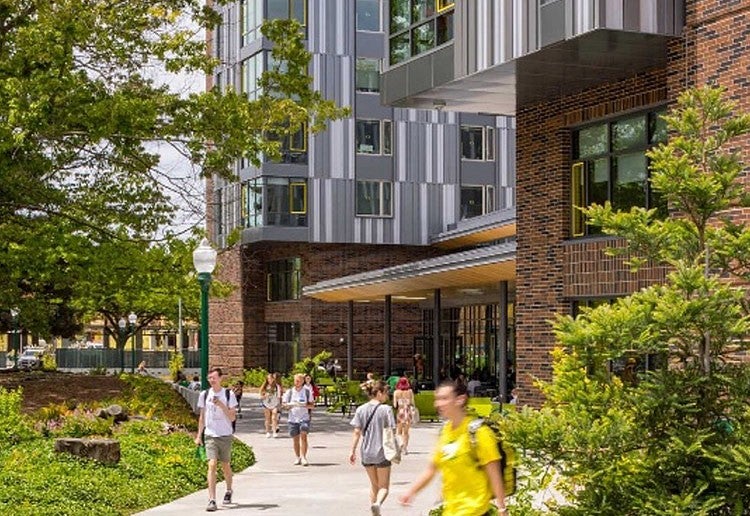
(586, 81)
(370, 192)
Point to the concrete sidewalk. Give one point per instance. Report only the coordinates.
(329, 486)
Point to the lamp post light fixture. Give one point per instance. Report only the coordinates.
(204, 260)
(132, 319)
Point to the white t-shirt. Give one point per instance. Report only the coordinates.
(298, 413)
(215, 420)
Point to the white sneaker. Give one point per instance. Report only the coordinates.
(268, 435)
(274, 435)
(304, 461)
(298, 461)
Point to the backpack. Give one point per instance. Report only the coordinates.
(507, 456)
(226, 393)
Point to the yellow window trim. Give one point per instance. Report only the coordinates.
(292, 186)
(303, 128)
(577, 218)
(443, 5)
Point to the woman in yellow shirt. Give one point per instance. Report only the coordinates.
(471, 477)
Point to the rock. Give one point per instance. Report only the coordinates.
(117, 412)
(106, 451)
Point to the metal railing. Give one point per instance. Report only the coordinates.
(68, 358)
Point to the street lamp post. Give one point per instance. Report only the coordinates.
(204, 260)
(14, 344)
(122, 325)
(132, 319)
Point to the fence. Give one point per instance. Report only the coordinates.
(69, 358)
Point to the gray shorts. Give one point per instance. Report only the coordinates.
(219, 448)
(385, 464)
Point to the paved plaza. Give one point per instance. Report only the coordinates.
(329, 486)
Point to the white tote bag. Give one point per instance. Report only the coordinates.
(391, 446)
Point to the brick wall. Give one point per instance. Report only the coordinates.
(551, 270)
(239, 323)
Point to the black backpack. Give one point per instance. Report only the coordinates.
(226, 393)
(507, 456)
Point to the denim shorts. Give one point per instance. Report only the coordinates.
(297, 428)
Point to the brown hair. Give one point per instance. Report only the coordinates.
(374, 388)
(458, 388)
(216, 370)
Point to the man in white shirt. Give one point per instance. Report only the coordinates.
(298, 400)
(218, 408)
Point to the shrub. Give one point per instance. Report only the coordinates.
(49, 362)
(310, 365)
(255, 377)
(176, 363)
(14, 426)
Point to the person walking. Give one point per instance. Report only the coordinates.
(403, 401)
(270, 400)
(470, 468)
(218, 409)
(298, 400)
(310, 385)
(369, 421)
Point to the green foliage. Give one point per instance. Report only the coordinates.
(674, 440)
(156, 399)
(84, 198)
(49, 362)
(255, 377)
(98, 371)
(15, 427)
(176, 363)
(310, 365)
(156, 467)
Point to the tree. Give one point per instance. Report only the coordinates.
(79, 112)
(675, 440)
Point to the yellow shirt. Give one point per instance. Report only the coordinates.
(466, 487)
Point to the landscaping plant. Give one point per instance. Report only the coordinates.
(675, 439)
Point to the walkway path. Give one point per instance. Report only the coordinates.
(329, 486)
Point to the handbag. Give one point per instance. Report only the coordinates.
(391, 446)
(414, 415)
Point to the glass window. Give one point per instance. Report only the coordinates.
(489, 144)
(592, 141)
(287, 9)
(387, 137)
(615, 168)
(251, 18)
(421, 10)
(422, 38)
(629, 133)
(284, 345)
(374, 137)
(367, 75)
(250, 71)
(283, 279)
(445, 28)
(399, 48)
(472, 201)
(374, 198)
(368, 136)
(298, 197)
(400, 15)
(418, 26)
(368, 15)
(472, 143)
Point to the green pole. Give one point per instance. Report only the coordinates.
(122, 350)
(132, 354)
(205, 279)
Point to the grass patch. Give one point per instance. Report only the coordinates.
(157, 463)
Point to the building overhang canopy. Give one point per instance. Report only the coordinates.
(475, 267)
(471, 232)
(556, 70)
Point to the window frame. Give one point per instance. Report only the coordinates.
(385, 141)
(291, 271)
(381, 199)
(356, 71)
(580, 168)
(488, 149)
(487, 192)
(292, 186)
(439, 9)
